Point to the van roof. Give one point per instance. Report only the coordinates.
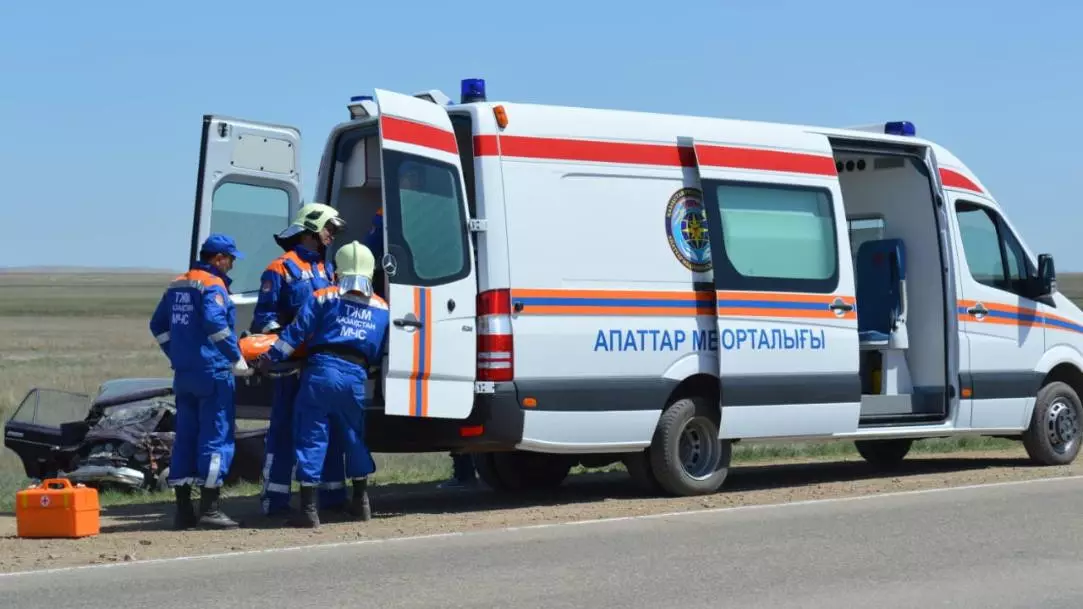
(576, 122)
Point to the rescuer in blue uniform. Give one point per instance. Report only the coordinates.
(343, 328)
(194, 326)
(286, 284)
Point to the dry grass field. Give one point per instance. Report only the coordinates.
(73, 331)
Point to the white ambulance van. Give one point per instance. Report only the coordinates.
(573, 285)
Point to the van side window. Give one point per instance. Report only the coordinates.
(993, 254)
(773, 237)
(426, 220)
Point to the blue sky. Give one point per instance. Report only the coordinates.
(101, 103)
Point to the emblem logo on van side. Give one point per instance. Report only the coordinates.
(686, 230)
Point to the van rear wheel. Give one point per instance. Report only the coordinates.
(485, 466)
(884, 454)
(1053, 436)
(686, 455)
(522, 470)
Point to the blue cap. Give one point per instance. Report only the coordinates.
(221, 244)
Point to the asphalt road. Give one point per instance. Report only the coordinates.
(1014, 545)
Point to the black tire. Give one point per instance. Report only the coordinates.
(884, 454)
(639, 468)
(1053, 436)
(484, 464)
(523, 471)
(161, 484)
(705, 468)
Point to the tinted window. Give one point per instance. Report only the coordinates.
(25, 412)
(993, 254)
(51, 407)
(981, 245)
(426, 221)
(773, 237)
(251, 215)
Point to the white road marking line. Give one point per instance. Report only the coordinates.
(437, 536)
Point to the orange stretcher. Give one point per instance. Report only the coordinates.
(255, 345)
(55, 508)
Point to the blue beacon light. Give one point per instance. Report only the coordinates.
(900, 128)
(473, 90)
(357, 106)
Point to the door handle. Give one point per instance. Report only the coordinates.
(402, 323)
(840, 305)
(978, 309)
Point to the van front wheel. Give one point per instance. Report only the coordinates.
(687, 457)
(1053, 436)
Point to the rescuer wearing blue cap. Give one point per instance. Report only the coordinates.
(194, 326)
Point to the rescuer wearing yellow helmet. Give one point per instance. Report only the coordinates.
(286, 284)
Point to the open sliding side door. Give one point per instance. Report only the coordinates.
(787, 323)
(248, 187)
(429, 263)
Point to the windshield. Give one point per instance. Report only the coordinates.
(119, 388)
(120, 417)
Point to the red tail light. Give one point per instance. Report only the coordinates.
(495, 341)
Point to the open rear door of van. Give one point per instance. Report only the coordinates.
(248, 187)
(429, 262)
(786, 322)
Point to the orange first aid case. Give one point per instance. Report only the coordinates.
(55, 508)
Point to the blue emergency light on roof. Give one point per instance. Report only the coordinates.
(900, 128)
(361, 106)
(473, 90)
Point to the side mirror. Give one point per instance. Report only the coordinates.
(1047, 275)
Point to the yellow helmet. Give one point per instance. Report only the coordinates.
(312, 217)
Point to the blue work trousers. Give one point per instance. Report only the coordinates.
(204, 441)
(330, 406)
(280, 456)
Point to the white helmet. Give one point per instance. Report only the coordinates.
(313, 217)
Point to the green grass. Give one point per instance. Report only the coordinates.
(73, 331)
(95, 295)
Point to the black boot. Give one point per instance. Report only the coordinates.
(308, 517)
(359, 505)
(185, 516)
(210, 514)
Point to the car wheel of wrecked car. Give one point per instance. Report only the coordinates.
(162, 484)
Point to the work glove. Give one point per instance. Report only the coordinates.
(262, 363)
(240, 368)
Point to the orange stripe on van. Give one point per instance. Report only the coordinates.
(416, 363)
(782, 304)
(421, 366)
(426, 348)
(650, 303)
(1001, 314)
